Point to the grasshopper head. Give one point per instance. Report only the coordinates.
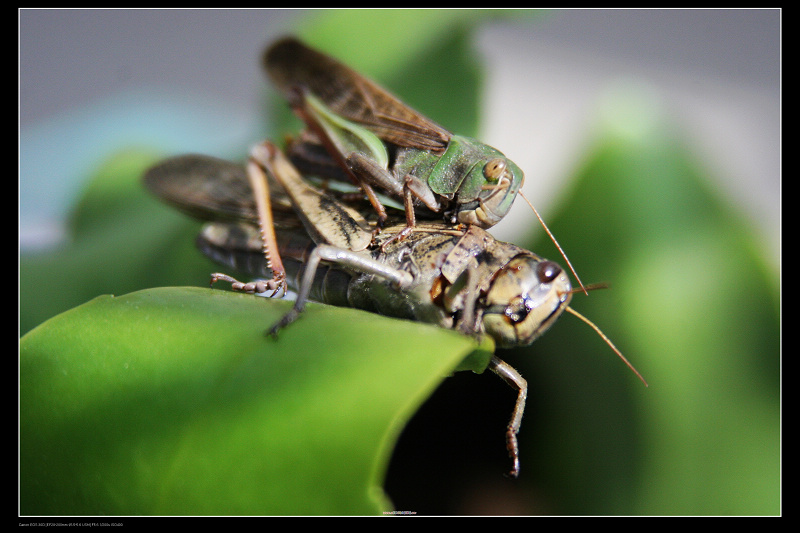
(525, 298)
(502, 179)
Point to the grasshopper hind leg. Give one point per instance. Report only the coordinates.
(259, 157)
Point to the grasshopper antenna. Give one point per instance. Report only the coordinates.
(552, 238)
(608, 341)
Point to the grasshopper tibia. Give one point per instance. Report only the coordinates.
(508, 374)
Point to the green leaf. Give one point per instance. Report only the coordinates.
(173, 402)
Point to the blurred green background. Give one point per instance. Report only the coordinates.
(694, 300)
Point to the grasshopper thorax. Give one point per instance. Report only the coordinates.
(525, 298)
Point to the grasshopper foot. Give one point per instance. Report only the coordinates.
(287, 319)
(513, 452)
(275, 285)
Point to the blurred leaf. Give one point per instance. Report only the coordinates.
(122, 240)
(693, 304)
(423, 56)
(173, 402)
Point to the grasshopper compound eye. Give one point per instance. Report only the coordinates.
(494, 169)
(525, 298)
(548, 271)
(502, 182)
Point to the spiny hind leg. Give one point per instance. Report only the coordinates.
(261, 159)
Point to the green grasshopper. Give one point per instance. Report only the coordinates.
(380, 142)
(458, 278)
(383, 143)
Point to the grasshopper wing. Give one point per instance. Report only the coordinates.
(292, 65)
(213, 189)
